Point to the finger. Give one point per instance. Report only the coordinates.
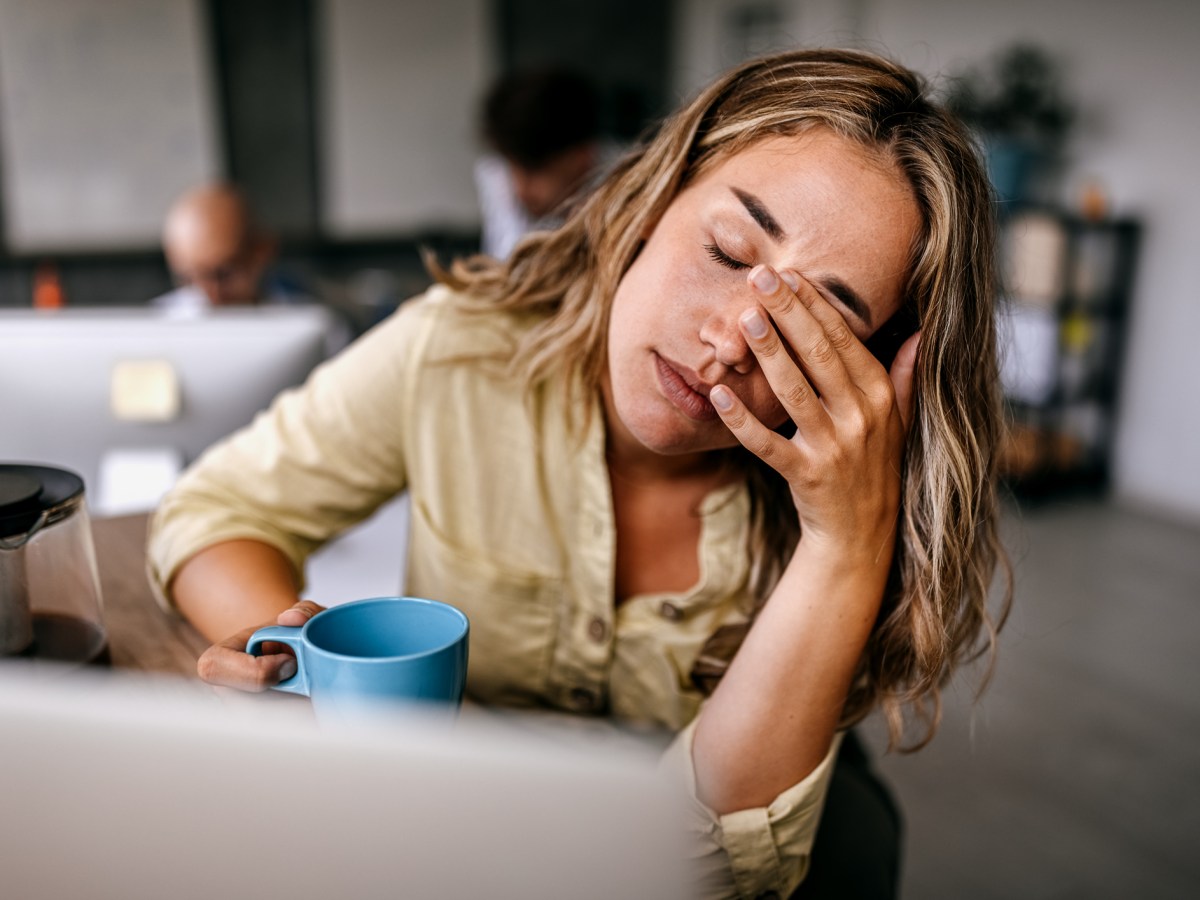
(903, 367)
(817, 348)
(227, 664)
(773, 449)
(785, 377)
(298, 615)
(854, 353)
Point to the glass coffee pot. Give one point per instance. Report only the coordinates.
(50, 603)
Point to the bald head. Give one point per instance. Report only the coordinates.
(211, 241)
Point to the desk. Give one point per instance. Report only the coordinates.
(141, 635)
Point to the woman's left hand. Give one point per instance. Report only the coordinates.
(851, 415)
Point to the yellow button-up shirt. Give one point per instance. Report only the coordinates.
(512, 522)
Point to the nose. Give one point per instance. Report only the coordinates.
(721, 332)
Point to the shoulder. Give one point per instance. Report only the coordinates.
(460, 327)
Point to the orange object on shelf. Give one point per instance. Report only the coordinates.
(48, 290)
(1093, 201)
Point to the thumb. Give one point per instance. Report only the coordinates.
(299, 614)
(903, 367)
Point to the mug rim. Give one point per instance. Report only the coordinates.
(462, 635)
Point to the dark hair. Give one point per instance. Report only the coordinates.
(531, 116)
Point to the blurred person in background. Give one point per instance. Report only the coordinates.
(220, 256)
(542, 130)
(218, 253)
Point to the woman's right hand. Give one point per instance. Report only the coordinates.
(229, 665)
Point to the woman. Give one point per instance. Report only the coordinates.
(662, 456)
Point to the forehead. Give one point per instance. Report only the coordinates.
(845, 211)
(813, 161)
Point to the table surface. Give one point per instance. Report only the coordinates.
(141, 634)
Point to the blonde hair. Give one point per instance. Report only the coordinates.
(935, 614)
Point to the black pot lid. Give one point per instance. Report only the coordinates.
(27, 491)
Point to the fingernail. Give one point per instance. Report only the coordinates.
(754, 324)
(287, 669)
(721, 398)
(764, 279)
(791, 279)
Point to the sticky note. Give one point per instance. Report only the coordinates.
(144, 390)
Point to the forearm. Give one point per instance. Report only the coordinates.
(234, 585)
(771, 720)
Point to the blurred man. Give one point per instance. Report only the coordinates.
(542, 128)
(215, 250)
(220, 256)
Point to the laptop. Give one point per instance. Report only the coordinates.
(116, 786)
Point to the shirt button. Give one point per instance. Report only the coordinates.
(582, 699)
(670, 611)
(597, 630)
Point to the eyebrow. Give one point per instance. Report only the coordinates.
(834, 285)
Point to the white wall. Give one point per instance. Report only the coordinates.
(105, 116)
(706, 43)
(401, 86)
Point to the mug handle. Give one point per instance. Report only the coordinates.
(283, 634)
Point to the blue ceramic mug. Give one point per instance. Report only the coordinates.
(353, 658)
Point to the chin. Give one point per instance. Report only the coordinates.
(682, 437)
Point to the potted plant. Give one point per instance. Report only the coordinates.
(1018, 106)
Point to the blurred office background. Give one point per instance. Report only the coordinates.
(352, 126)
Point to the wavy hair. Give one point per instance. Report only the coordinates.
(935, 615)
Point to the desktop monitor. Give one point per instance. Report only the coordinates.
(126, 397)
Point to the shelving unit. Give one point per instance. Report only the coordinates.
(1067, 283)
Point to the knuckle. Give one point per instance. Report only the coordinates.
(768, 347)
(882, 395)
(735, 420)
(857, 422)
(784, 300)
(795, 395)
(763, 447)
(840, 337)
(822, 351)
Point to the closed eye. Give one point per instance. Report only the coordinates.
(717, 255)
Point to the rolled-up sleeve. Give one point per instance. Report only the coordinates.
(752, 853)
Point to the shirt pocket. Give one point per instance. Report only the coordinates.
(513, 613)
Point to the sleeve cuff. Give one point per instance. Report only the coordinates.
(751, 853)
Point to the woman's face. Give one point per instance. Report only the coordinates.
(819, 204)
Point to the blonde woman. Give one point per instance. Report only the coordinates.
(664, 458)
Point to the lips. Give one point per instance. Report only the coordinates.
(685, 390)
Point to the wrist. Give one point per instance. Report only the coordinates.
(869, 550)
(846, 569)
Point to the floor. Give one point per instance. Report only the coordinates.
(1078, 773)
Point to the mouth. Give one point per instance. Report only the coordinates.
(685, 390)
